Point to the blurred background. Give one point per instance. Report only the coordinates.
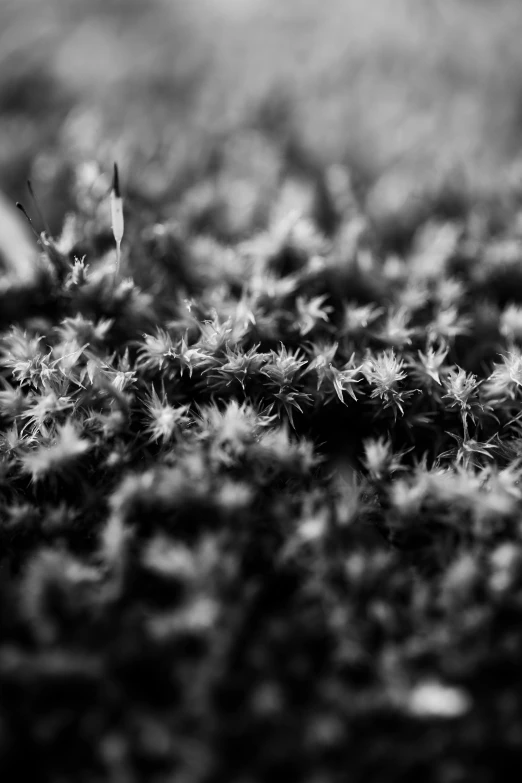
(198, 97)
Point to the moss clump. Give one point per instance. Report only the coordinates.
(260, 504)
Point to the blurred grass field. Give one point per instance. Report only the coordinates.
(415, 92)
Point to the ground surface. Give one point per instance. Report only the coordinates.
(260, 491)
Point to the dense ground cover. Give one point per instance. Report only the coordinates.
(260, 490)
(260, 501)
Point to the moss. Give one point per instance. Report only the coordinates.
(261, 518)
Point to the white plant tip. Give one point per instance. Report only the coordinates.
(117, 214)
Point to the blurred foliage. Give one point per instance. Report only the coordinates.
(420, 92)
